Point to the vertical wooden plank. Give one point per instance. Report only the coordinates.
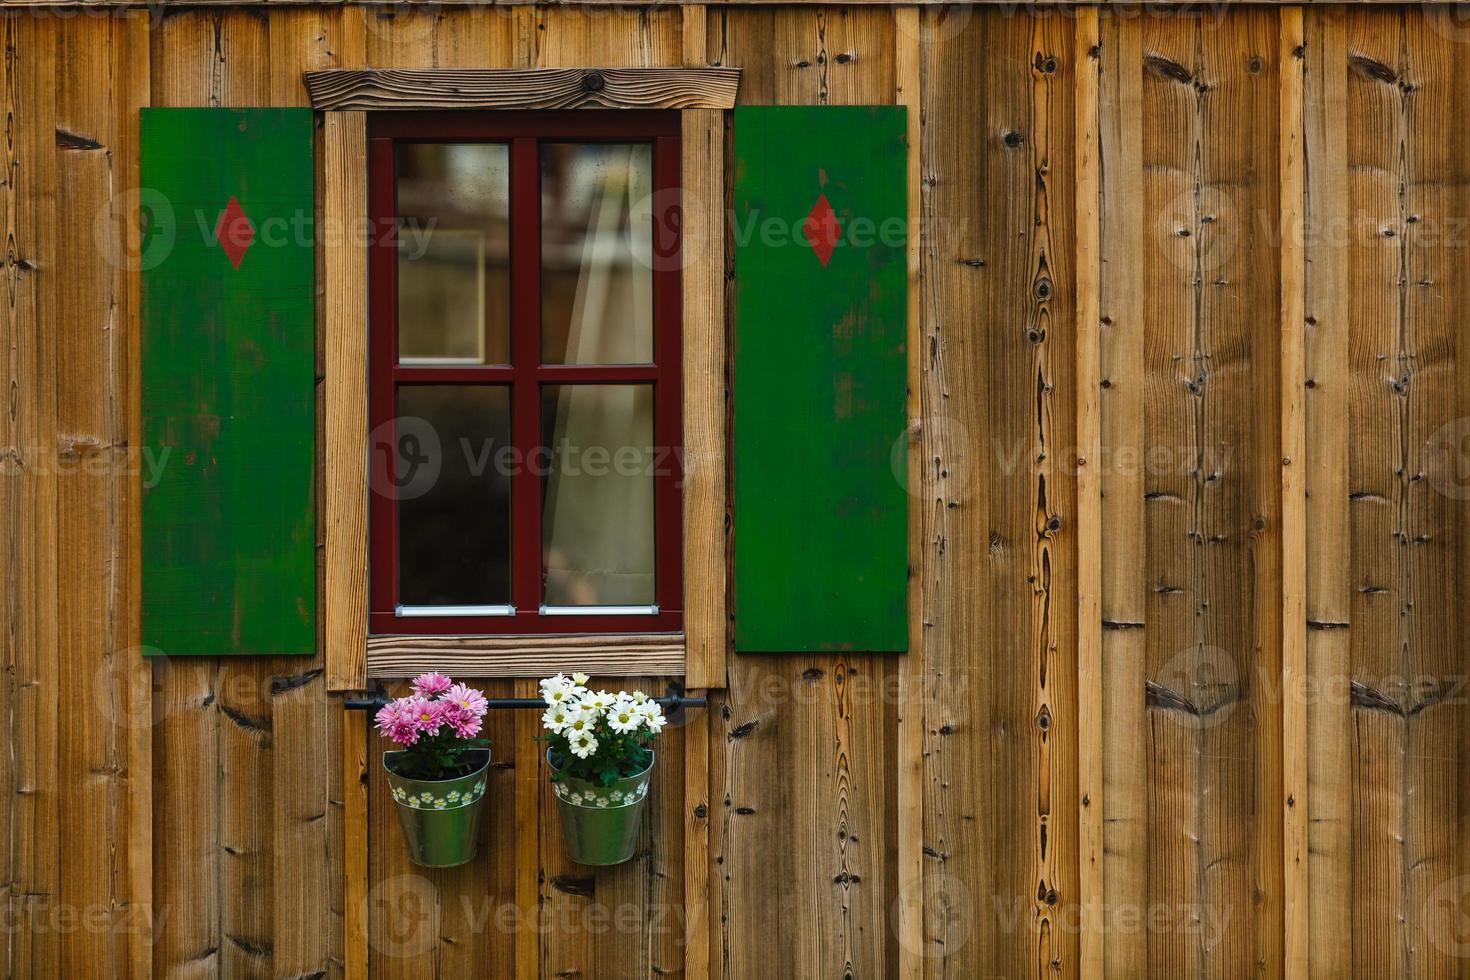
(31, 810)
(908, 910)
(344, 270)
(697, 872)
(1436, 295)
(135, 674)
(613, 36)
(705, 393)
(527, 795)
(1086, 52)
(1292, 176)
(706, 516)
(1328, 596)
(999, 494)
(1406, 83)
(1381, 355)
(1213, 495)
(355, 829)
(96, 151)
(694, 34)
(1124, 573)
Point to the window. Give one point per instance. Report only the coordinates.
(524, 373)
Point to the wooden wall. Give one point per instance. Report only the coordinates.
(1186, 694)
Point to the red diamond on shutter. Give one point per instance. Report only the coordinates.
(821, 229)
(234, 231)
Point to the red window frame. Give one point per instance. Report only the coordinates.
(525, 374)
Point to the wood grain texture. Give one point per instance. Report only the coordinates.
(1124, 569)
(811, 840)
(525, 656)
(1328, 581)
(1086, 54)
(1291, 141)
(345, 503)
(907, 914)
(1405, 182)
(1211, 459)
(705, 390)
(31, 812)
(999, 494)
(355, 830)
(382, 89)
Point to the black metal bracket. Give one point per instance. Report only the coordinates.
(673, 702)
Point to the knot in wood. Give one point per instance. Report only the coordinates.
(594, 81)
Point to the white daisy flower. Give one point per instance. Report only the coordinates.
(639, 697)
(579, 719)
(583, 744)
(653, 716)
(624, 716)
(598, 701)
(556, 717)
(580, 679)
(557, 690)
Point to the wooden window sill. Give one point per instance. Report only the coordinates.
(640, 654)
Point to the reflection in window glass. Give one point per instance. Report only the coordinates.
(453, 495)
(453, 253)
(597, 506)
(596, 243)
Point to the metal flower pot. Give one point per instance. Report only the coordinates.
(600, 823)
(440, 817)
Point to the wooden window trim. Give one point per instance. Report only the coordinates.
(512, 88)
(704, 398)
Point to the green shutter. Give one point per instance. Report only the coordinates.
(821, 512)
(228, 385)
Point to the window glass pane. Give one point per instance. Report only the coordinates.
(596, 248)
(453, 253)
(453, 490)
(597, 505)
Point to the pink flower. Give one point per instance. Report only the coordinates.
(466, 724)
(467, 700)
(428, 716)
(430, 684)
(397, 723)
